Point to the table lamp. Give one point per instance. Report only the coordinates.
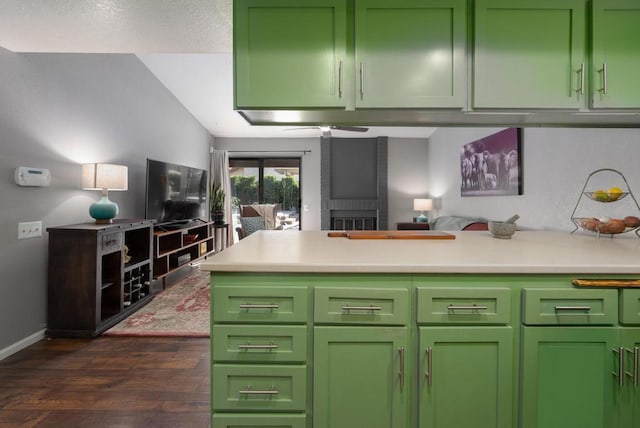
(422, 205)
(104, 177)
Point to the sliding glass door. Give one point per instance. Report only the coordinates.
(267, 181)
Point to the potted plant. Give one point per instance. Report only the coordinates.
(216, 203)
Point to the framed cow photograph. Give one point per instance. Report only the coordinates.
(491, 166)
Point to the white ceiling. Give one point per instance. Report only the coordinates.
(187, 44)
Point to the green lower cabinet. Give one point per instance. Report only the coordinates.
(361, 377)
(259, 388)
(567, 379)
(263, 420)
(630, 401)
(465, 377)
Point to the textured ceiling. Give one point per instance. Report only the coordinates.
(116, 26)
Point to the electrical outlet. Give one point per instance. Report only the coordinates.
(29, 229)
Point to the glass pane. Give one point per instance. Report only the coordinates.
(267, 181)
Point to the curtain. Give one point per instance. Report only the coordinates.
(220, 174)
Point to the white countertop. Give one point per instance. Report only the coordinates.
(470, 252)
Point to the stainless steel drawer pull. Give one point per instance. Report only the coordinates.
(429, 373)
(466, 307)
(634, 376)
(603, 71)
(572, 308)
(250, 346)
(257, 306)
(340, 73)
(620, 375)
(361, 308)
(249, 391)
(580, 90)
(361, 81)
(401, 374)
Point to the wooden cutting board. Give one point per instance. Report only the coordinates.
(606, 282)
(391, 234)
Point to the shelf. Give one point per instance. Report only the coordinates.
(90, 287)
(171, 252)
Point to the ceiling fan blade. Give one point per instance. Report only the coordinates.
(302, 127)
(350, 128)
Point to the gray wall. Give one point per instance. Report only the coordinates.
(58, 111)
(556, 163)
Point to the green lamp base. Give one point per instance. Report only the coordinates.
(422, 219)
(103, 211)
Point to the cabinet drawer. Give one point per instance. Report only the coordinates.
(260, 304)
(339, 305)
(111, 242)
(258, 420)
(630, 307)
(464, 306)
(259, 387)
(569, 307)
(259, 343)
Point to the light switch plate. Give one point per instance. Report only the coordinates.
(30, 229)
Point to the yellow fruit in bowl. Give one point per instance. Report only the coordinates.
(614, 193)
(600, 195)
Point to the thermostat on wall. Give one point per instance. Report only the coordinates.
(27, 176)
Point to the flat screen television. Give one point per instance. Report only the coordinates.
(176, 194)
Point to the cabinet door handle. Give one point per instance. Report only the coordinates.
(572, 308)
(340, 73)
(580, 90)
(603, 71)
(634, 376)
(401, 374)
(361, 81)
(361, 308)
(265, 346)
(466, 307)
(249, 391)
(620, 375)
(429, 373)
(259, 306)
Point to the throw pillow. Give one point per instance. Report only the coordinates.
(251, 224)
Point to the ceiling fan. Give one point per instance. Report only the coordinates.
(326, 130)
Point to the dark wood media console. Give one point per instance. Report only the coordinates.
(176, 247)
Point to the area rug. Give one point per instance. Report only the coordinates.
(181, 310)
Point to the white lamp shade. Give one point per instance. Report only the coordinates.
(422, 204)
(100, 176)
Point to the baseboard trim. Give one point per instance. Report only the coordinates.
(20, 345)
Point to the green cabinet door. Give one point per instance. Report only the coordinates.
(466, 377)
(361, 377)
(410, 53)
(616, 54)
(529, 54)
(630, 401)
(289, 53)
(567, 379)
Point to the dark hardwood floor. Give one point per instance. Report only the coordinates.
(107, 382)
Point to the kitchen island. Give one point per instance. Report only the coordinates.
(312, 331)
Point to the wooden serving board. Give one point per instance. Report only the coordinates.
(606, 282)
(391, 234)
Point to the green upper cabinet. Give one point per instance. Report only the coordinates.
(289, 53)
(466, 377)
(616, 54)
(410, 53)
(530, 54)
